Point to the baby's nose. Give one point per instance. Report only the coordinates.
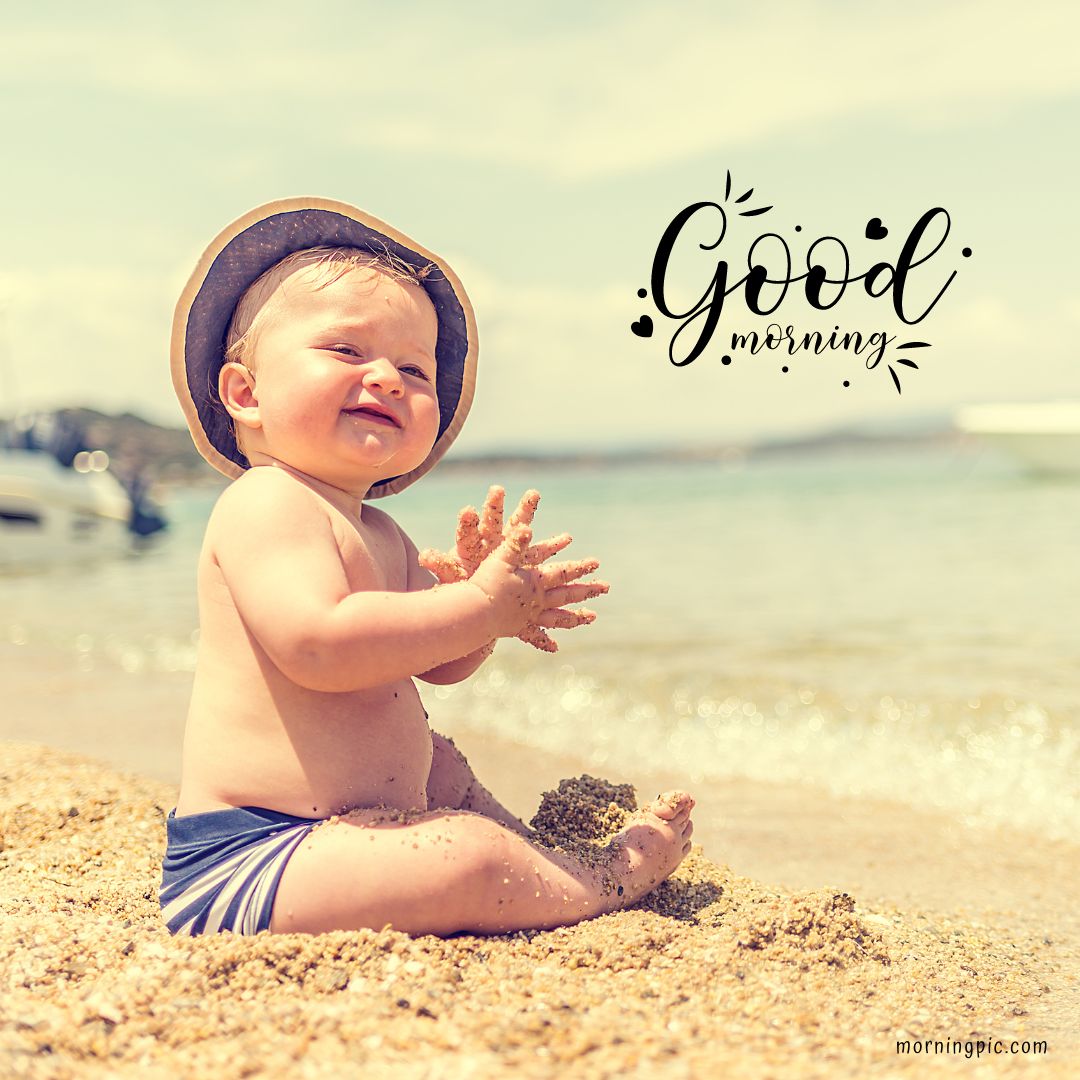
(382, 375)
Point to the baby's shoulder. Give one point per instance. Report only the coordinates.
(266, 491)
(264, 502)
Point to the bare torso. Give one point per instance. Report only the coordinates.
(255, 738)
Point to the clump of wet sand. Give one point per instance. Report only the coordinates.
(583, 812)
(710, 973)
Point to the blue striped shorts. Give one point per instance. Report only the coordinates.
(221, 868)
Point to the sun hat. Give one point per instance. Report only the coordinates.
(258, 240)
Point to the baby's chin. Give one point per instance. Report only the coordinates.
(384, 454)
(364, 465)
(376, 468)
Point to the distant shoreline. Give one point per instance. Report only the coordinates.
(170, 457)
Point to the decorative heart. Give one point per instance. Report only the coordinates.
(875, 230)
(643, 327)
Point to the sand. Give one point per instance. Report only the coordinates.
(712, 974)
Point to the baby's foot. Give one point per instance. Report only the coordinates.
(649, 848)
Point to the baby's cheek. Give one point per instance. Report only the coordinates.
(302, 422)
(428, 419)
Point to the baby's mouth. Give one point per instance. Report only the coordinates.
(374, 413)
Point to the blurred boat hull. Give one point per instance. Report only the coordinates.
(1042, 437)
(50, 513)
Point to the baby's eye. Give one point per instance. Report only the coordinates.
(413, 369)
(345, 350)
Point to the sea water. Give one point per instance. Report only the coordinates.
(894, 623)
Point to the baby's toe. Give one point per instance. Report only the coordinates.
(671, 804)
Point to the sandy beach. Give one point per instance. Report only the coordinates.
(803, 937)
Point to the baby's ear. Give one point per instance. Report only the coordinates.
(236, 388)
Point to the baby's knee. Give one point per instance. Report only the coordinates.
(479, 849)
(450, 777)
(445, 748)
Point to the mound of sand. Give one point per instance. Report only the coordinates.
(711, 974)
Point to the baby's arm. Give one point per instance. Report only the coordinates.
(455, 670)
(280, 559)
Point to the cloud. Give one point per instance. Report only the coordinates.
(93, 335)
(217, 104)
(580, 102)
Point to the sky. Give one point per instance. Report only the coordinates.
(543, 151)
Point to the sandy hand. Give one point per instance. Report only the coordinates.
(556, 578)
(479, 534)
(516, 592)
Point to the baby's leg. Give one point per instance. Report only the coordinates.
(453, 784)
(453, 871)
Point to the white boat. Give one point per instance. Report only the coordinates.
(49, 511)
(59, 499)
(1043, 436)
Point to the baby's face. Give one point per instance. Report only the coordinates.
(345, 378)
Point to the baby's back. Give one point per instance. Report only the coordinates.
(256, 737)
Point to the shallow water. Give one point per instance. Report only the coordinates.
(892, 624)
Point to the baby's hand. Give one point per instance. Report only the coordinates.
(478, 535)
(556, 578)
(528, 598)
(516, 592)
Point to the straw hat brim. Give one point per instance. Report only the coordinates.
(247, 248)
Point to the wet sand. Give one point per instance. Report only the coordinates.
(803, 937)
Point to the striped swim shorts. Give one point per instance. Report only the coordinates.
(221, 868)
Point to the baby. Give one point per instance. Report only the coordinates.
(323, 358)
